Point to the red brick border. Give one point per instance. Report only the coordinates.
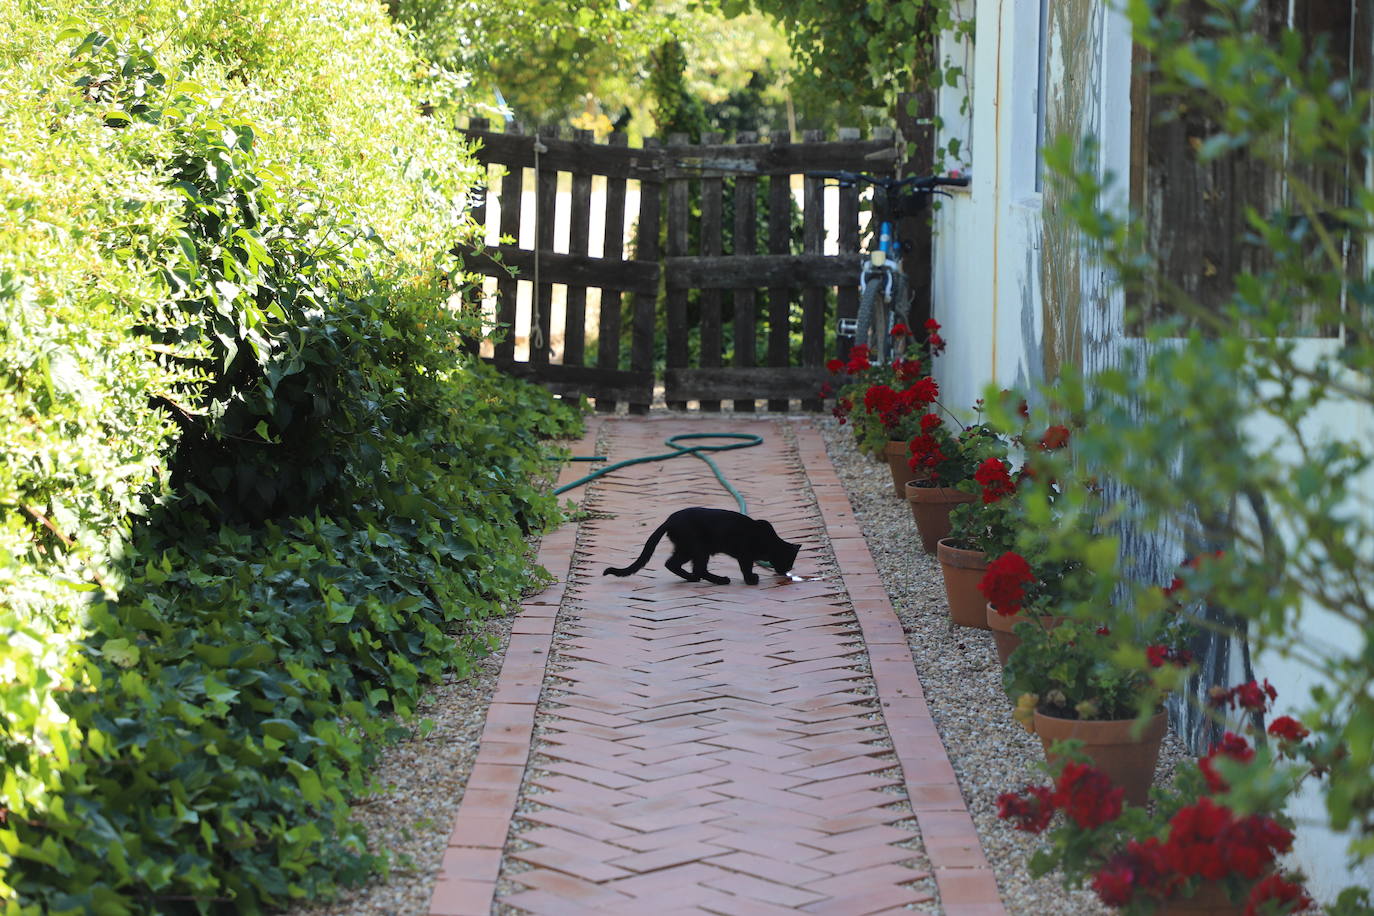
(466, 885)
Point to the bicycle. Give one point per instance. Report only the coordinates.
(882, 285)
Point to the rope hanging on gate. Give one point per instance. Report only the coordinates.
(746, 440)
(536, 331)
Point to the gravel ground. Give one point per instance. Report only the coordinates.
(421, 779)
(958, 666)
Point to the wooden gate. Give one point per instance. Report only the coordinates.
(749, 294)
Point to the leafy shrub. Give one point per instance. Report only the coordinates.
(237, 417)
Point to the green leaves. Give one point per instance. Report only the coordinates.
(223, 331)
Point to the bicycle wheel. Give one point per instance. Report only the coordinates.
(874, 320)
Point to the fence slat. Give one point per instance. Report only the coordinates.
(760, 381)
(745, 245)
(794, 271)
(779, 242)
(813, 297)
(477, 208)
(847, 296)
(579, 240)
(678, 201)
(574, 270)
(646, 249)
(608, 332)
(512, 190)
(710, 232)
(545, 201)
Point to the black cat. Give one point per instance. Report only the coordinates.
(699, 533)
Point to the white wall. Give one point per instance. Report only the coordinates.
(987, 284)
(1317, 850)
(985, 261)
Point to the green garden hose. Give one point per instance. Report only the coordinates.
(746, 440)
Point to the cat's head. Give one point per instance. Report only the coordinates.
(783, 557)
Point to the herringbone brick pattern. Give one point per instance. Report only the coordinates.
(714, 749)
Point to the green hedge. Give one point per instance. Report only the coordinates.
(250, 490)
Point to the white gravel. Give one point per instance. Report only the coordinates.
(962, 678)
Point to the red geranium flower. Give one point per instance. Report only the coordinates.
(1004, 582)
(1030, 810)
(1115, 885)
(1055, 437)
(1288, 728)
(908, 370)
(1253, 696)
(995, 476)
(1289, 895)
(1158, 656)
(932, 325)
(858, 359)
(1087, 796)
(900, 330)
(925, 391)
(833, 366)
(1233, 746)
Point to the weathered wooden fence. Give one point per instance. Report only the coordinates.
(731, 300)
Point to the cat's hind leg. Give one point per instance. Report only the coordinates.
(699, 567)
(675, 564)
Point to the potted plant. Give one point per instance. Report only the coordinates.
(1068, 682)
(1192, 853)
(884, 403)
(1035, 591)
(950, 460)
(980, 529)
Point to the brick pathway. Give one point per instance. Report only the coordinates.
(711, 749)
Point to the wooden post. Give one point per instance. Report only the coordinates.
(847, 297)
(579, 231)
(813, 297)
(545, 201)
(710, 233)
(918, 129)
(512, 189)
(678, 203)
(477, 206)
(779, 298)
(746, 244)
(642, 339)
(608, 333)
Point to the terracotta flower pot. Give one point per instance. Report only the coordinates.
(930, 506)
(1127, 760)
(1001, 627)
(897, 455)
(1210, 900)
(962, 570)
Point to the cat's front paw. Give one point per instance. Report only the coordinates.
(751, 579)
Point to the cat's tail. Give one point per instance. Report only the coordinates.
(648, 551)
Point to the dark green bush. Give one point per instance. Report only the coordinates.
(253, 493)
